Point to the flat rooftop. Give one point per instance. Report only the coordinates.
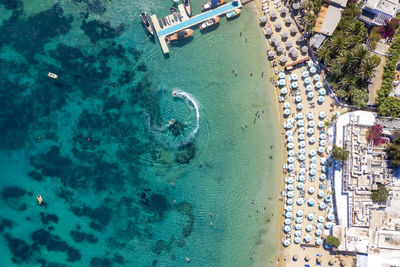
(386, 6)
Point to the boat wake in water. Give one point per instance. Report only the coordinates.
(160, 131)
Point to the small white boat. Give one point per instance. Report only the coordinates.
(52, 75)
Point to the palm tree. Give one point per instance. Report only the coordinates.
(367, 69)
(323, 54)
(337, 44)
(360, 55)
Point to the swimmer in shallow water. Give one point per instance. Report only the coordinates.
(39, 199)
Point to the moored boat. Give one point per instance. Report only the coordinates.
(212, 4)
(208, 23)
(188, 7)
(146, 23)
(179, 35)
(161, 23)
(233, 13)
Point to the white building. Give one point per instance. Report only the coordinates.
(378, 11)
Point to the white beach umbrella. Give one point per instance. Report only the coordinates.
(282, 82)
(328, 199)
(310, 63)
(274, 40)
(320, 150)
(322, 91)
(300, 123)
(283, 59)
(286, 105)
(289, 133)
(286, 112)
(310, 95)
(323, 160)
(304, 49)
(297, 99)
(284, 35)
(312, 153)
(310, 115)
(330, 217)
(302, 157)
(311, 124)
(269, 31)
(290, 187)
(311, 140)
(289, 201)
(292, 49)
(299, 116)
(284, 91)
(321, 219)
(316, 77)
(322, 115)
(318, 232)
(307, 80)
(290, 145)
(294, 54)
(279, 49)
(302, 137)
(304, 74)
(291, 152)
(273, 14)
(313, 69)
(278, 25)
(318, 85)
(319, 226)
(286, 228)
(321, 124)
(302, 144)
(294, 85)
(302, 130)
(297, 233)
(310, 216)
(290, 180)
(299, 39)
(321, 193)
(289, 208)
(291, 159)
(313, 165)
(322, 177)
(289, 44)
(322, 143)
(328, 225)
(296, 6)
(313, 160)
(322, 136)
(307, 238)
(311, 190)
(263, 19)
(311, 201)
(287, 221)
(298, 220)
(270, 53)
(284, 10)
(291, 167)
(300, 213)
(322, 206)
(294, 77)
(318, 241)
(309, 228)
(290, 120)
(297, 226)
(293, 29)
(312, 172)
(302, 178)
(288, 214)
(288, 20)
(297, 240)
(310, 131)
(299, 106)
(281, 75)
(309, 88)
(288, 125)
(300, 201)
(286, 242)
(321, 99)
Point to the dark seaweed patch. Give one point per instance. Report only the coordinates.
(36, 176)
(97, 30)
(186, 153)
(13, 192)
(80, 237)
(48, 218)
(176, 128)
(19, 248)
(101, 215)
(5, 223)
(36, 31)
(105, 261)
(12, 4)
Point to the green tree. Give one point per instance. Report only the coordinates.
(323, 54)
(393, 152)
(380, 195)
(339, 153)
(359, 98)
(332, 240)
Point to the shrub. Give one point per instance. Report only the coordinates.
(376, 59)
(332, 240)
(388, 30)
(374, 135)
(339, 153)
(393, 152)
(380, 195)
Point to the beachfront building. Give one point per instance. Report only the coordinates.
(378, 12)
(369, 229)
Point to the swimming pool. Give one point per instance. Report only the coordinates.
(199, 18)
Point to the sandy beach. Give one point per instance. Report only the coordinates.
(306, 110)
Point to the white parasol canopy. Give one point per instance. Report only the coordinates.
(309, 88)
(300, 106)
(322, 115)
(311, 190)
(286, 105)
(307, 80)
(284, 91)
(310, 131)
(304, 74)
(322, 91)
(318, 84)
(302, 137)
(313, 69)
(311, 140)
(294, 77)
(310, 63)
(321, 99)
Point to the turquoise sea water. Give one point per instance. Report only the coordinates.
(121, 187)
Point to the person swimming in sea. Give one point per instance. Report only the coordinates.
(39, 199)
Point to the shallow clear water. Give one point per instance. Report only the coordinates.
(120, 186)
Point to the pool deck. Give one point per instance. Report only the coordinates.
(188, 22)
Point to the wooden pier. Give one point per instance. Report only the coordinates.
(188, 22)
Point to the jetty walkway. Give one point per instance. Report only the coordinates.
(189, 22)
